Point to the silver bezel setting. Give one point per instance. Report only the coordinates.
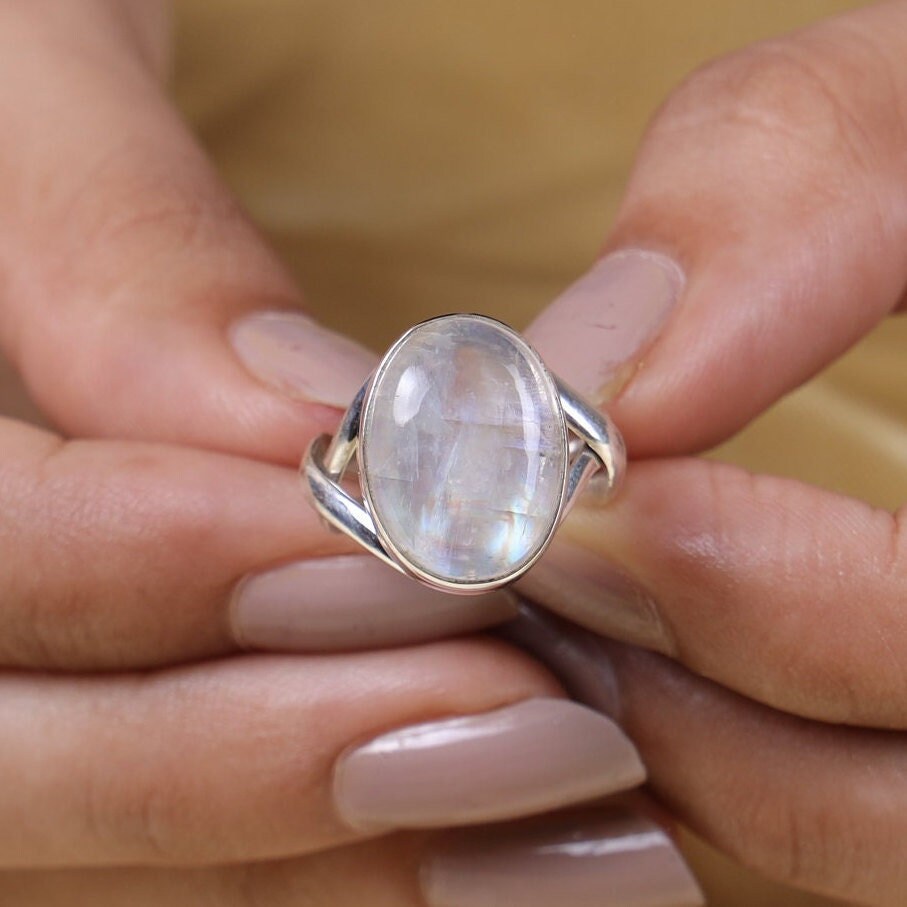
(595, 446)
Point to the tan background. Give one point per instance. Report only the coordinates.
(411, 158)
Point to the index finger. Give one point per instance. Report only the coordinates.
(128, 267)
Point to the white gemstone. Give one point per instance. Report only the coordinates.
(464, 450)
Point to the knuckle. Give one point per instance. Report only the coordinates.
(159, 519)
(138, 819)
(804, 844)
(47, 612)
(147, 822)
(786, 107)
(149, 528)
(133, 190)
(769, 84)
(128, 227)
(125, 496)
(133, 206)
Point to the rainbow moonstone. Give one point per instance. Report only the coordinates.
(464, 450)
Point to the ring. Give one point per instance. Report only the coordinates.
(470, 453)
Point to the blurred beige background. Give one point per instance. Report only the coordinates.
(412, 158)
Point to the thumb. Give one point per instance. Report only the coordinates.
(137, 300)
(763, 231)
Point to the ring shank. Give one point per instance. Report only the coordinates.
(596, 446)
(602, 444)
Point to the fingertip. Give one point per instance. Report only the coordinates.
(177, 378)
(291, 353)
(350, 603)
(594, 334)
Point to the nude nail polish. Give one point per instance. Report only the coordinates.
(605, 858)
(584, 587)
(537, 755)
(596, 332)
(298, 357)
(351, 602)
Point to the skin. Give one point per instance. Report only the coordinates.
(133, 247)
(773, 718)
(122, 687)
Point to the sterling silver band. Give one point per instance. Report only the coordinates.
(594, 446)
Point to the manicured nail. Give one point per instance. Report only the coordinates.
(602, 859)
(522, 759)
(297, 356)
(583, 587)
(594, 334)
(352, 602)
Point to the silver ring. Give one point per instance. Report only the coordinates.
(470, 453)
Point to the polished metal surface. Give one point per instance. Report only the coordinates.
(595, 446)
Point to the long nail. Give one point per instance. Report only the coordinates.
(582, 586)
(351, 602)
(600, 859)
(595, 332)
(298, 357)
(525, 758)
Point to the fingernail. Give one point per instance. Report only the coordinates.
(351, 602)
(521, 759)
(602, 859)
(584, 587)
(594, 334)
(297, 356)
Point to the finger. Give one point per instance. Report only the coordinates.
(605, 858)
(596, 858)
(813, 805)
(791, 595)
(381, 873)
(123, 554)
(354, 602)
(127, 267)
(128, 270)
(266, 756)
(775, 180)
(625, 861)
(14, 399)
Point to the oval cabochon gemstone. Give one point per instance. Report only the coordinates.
(464, 449)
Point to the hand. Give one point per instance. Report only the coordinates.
(763, 232)
(135, 739)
